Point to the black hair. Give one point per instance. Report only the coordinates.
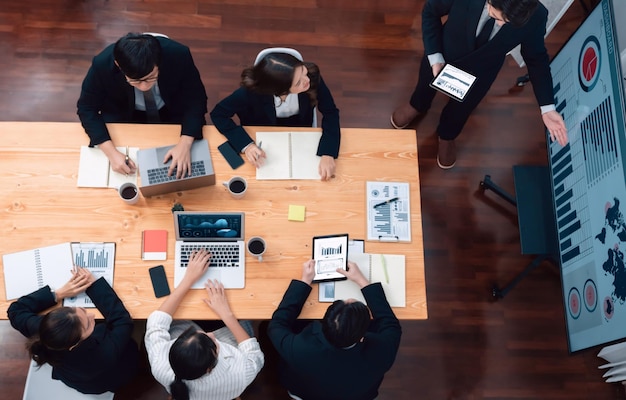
(274, 75)
(191, 356)
(59, 330)
(137, 54)
(517, 12)
(344, 324)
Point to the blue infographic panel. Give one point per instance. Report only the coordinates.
(589, 184)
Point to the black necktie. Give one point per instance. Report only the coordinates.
(152, 112)
(483, 35)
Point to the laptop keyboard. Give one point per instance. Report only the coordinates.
(222, 254)
(159, 175)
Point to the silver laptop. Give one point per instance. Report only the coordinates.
(153, 172)
(221, 233)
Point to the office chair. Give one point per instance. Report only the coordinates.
(40, 385)
(289, 51)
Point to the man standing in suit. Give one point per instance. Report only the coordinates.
(476, 37)
(345, 355)
(143, 78)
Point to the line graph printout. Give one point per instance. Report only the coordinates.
(589, 182)
(99, 259)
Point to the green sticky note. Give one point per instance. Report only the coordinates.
(296, 213)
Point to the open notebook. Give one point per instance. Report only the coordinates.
(373, 267)
(94, 169)
(289, 155)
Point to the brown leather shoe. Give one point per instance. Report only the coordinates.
(403, 116)
(446, 155)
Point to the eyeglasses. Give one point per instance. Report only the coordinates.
(140, 81)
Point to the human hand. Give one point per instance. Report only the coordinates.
(556, 126)
(326, 168)
(79, 282)
(354, 274)
(197, 266)
(437, 68)
(217, 300)
(117, 159)
(308, 272)
(181, 157)
(255, 155)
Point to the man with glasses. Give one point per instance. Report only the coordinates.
(143, 78)
(476, 37)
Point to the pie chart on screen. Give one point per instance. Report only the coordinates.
(589, 63)
(573, 303)
(591, 295)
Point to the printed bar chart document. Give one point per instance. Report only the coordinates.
(388, 211)
(99, 259)
(289, 155)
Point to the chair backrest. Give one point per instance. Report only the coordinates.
(156, 34)
(287, 50)
(40, 385)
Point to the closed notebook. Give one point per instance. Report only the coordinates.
(154, 244)
(372, 266)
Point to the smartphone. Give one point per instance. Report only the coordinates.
(233, 158)
(159, 281)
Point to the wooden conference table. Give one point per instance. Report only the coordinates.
(41, 206)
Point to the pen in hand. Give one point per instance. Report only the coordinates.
(386, 202)
(127, 157)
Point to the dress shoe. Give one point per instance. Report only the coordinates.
(403, 116)
(446, 155)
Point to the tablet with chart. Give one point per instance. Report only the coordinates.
(588, 181)
(99, 259)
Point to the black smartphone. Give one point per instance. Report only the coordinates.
(233, 158)
(159, 281)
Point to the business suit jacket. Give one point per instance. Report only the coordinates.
(456, 40)
(317, 370)
(104, 361)
(255, 109)
(107, 97)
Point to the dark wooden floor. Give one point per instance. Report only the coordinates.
(368, 52)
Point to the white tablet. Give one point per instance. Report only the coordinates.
(453, 82)
(330, 253)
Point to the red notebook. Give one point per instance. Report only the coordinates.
(154, 244)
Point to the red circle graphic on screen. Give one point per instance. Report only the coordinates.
(573, 302)
(589, 63)
(591, 295)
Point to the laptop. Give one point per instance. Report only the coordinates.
(153, 172)
(221, 233)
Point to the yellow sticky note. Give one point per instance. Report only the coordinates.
(296, 213)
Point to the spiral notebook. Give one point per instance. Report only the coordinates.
(289, 155)
(27, 271)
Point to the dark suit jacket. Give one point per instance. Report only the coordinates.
(104, 361)
(317, 370)
(456, 40)
(107, 97)
(254, 109)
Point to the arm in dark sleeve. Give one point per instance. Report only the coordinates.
(24, 313)
(331, 133)
(118, 320)
(193, 95)
(535, 55)
(222, 117)
(90, 104)
(280, 329)
(385, 324)
(432, 27)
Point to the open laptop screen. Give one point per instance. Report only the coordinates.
(204, 226)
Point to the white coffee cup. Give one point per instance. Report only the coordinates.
(128, 192)
(236, 186)
(256, 246)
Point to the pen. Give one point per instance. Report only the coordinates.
(386, 202)
(382, 258)
(127, 158)
(260, 144)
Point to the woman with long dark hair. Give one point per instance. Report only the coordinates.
(87, 356)
(280, 90)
